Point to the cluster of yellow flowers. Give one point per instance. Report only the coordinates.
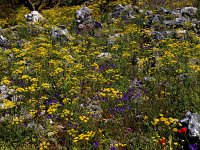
(16, 121)
(110, 93)
(84, 118)
(85, 136)
(120, 145)
(7, 104)
(44, 145)
(165, 121)
(53, 108)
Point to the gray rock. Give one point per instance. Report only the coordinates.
(137, 10)
(169, 34)
(60, 34)
(193, 122)
(60, 31)
(113, 38)
(163, 10)
(4, 42)
(83, 14)
(158, 35)
(119, 8)
(194, 125)
(33, 17)
(125, 12)
(156, 19)
(176, 12)
(168, 23)
(179, 22)
(6, 93)
(189, 11)
(148, 13)
(197, 26)
(84, 21)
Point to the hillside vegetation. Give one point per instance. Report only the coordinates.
(115, 75)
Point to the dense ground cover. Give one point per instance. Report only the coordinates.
(118, 88)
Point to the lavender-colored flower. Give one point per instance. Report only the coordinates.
(49, 101)
(55, 101)
(113, 148)
(96, 144)
(22, 83)
(193, 146)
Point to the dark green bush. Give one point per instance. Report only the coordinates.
(196, 4)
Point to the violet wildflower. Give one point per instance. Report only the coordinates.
(96, 144)
(193, 146)
(113, 148)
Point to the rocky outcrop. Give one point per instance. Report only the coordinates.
(84, 20)
(163, 23)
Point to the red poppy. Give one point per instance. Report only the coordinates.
(162, 141)
(182, 130)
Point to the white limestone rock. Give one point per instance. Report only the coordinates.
(34, 16)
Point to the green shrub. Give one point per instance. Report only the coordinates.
(197, 5)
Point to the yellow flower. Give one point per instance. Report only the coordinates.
(45, 85)
(156, 121)
(176, 143)
(174, 129)
(75, 141)
(8, 104)
(167, 123)
(146, 117)
(58, 70)
(84, 118)
(26, 77)
(5, 81)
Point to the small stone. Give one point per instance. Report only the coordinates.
(104, 55)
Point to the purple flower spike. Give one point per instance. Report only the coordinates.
(193, 147)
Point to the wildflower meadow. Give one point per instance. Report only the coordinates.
(101, 75)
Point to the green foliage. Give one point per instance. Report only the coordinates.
(196, 3)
